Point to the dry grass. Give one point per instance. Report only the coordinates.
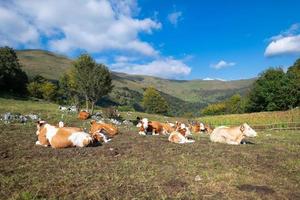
(137, 167)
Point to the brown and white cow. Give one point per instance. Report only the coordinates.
(183, 129)
(83, 115)
(199, 127)
(99, 131)
(177, 137)
(232, 135)
(61, 137)
(168, 128)
(153, 127)
(109, 128)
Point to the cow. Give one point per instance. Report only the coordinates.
(183, 129)
(168, 128)
(177, 137)
(83, 115)
(232, 135)
(61, 137)
(199, 127)
(100, 129)
(153, 127)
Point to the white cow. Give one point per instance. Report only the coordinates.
(232, 135)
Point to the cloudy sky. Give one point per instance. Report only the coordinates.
(171, 39)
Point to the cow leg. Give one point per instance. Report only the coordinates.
(142, 133)
(153, 132)
(38, 143)
(232, 142)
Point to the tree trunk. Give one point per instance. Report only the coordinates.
(92, 109)
(86, 103)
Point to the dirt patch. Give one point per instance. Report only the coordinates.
(174, 186)
(261, 189)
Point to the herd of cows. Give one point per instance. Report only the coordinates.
(60, 136)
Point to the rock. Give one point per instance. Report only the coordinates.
(198, 178)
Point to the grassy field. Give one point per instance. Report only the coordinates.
(261, 118)
(137, 167)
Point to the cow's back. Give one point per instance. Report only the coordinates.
(157, 126)
(69, 137)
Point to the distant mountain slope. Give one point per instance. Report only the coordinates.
(186, 96)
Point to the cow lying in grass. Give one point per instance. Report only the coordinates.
(168, 128)
(83, 115)
(199, 127)
(62, 137)
(232, 135)
(147, 127)
(99, 131)
(177, 137)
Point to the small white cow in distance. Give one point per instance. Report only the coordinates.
(177, 137)
(60, 136)
(232, 135)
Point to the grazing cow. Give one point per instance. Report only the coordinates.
(99, 131)
(61, 137)
(83, 115)
(152, 127)
(177, 137)
(232, 135)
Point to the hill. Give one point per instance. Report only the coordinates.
(190, 95)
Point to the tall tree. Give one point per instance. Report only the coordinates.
(270, 92)
(293, 77)
(153, 102)
(92, 80)
(12, 77)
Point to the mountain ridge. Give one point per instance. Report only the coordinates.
(129, 88)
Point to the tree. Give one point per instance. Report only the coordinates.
(270, 92)
(42, 88)
(215, 109)
(12, 77)
(293, 78)
(91, 80)
(49, 91)
(234, 104)
(153, 102)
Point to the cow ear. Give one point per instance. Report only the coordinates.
(242, 128)
(93, 122)
(41, 122)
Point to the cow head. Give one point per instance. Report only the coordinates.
(208, 128)
(41, 133)
(183, 129)
(143, 126)
(247, 130)
(40, 125)
(98, 134)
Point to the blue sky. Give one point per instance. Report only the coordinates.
(172, 39)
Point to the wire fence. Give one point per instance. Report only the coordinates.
(272, 126)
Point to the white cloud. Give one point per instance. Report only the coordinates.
(15, 30)
(175, 17)
(213, 79)
(221, 64)
(287, 42)
(285, 45)
(68, 25)
(162, 67)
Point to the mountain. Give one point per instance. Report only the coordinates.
(183, 95)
